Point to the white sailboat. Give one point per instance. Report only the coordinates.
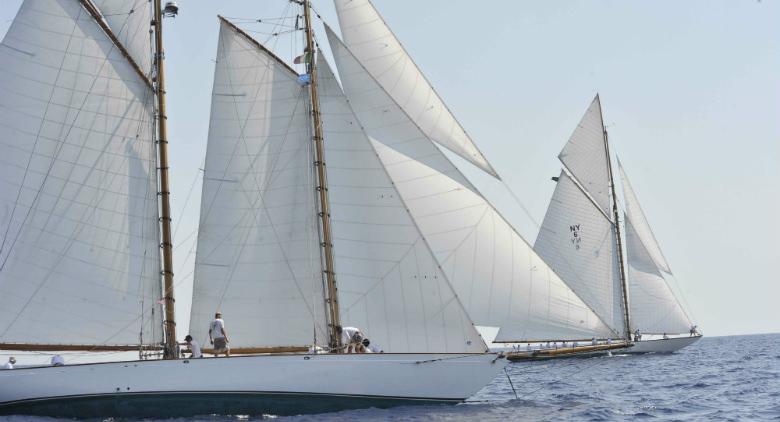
(82, 265)
(581, 238)
(499, 279)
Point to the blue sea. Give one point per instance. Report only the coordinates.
(722, 378)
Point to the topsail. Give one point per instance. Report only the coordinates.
(376, 47)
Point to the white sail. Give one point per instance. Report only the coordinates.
(389, 282)
(585, 156)
(375, 47)
(635, 213)
(79, 262)
(258, 253)
(499, 280)
(654, 307)
(578, 241)
(129, 22)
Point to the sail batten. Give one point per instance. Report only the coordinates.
(497, 277)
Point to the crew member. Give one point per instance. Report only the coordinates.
(218, 336)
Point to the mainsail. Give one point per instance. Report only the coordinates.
(654, 307)
(258, 253)
(578, 240)
(499, 280)
(376, 47)
(578, 236)
(258, 248)
(79, 261)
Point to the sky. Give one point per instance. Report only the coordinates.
(691, 98)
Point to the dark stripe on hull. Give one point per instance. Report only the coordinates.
(182, 404)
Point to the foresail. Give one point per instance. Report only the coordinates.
(389, 283)
(578, 241)
(79, 261)
(376, 47)
(258, 253)
(499, 280)
(654, 308)
(640, 223)
(129, 21)
(584, 155)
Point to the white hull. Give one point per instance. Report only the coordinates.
(261, 384)
(669, 345)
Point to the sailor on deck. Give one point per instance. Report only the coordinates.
(218, 336)
(637, 335)
(351, 339)
(693, 331)
(194, 347)
(57, 360)
(10, 364)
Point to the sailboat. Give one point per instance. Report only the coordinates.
(289, 250)
(581, 238)
(500, 280)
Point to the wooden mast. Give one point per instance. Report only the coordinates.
(169, 324)
(331, 293)
(616, 214)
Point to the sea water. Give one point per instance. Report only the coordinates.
(719, 378)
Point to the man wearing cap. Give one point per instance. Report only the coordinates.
(194, 347)
(10, 364)
(218, 336)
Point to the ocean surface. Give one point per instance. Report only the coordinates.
(722, 378)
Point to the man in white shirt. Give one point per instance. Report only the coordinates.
(195, 351)
(10, 364)
(57, 360)
(218, 336)
(350, 338)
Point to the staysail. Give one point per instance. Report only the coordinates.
(654, 307)
(376, 47)
(389, 282)
(499, 280)
(258, 254)
(79, 261)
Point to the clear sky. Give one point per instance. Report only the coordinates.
(691, 97)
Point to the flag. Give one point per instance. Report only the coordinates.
(303, 58)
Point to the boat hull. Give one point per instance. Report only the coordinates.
(247, 385)
(669, 345)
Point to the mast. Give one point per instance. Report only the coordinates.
(331, 293)
(169, 324)
(616, 214)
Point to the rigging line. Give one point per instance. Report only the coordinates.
(187, 201)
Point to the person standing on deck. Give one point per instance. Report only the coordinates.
(218, 336)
